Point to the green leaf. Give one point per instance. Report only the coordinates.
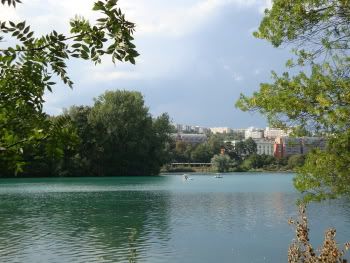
(76, 45)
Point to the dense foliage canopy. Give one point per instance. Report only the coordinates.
(130, 142)
(27, 70)
(317, 99)
(116, 136)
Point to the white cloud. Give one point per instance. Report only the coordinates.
(180, 20)
(7, 13)
(173, 19)
(102, 76)
(235, 75)
(257, 71)
(158, 23)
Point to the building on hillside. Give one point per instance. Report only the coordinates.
(220, 130)
(239, 133)
(190, 138)
(254, 133)
(265, 147)
(309, 143)
(180, 128)
(203, 130)
(273, 133)
(287, 146)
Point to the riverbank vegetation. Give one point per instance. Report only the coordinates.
(225, 157)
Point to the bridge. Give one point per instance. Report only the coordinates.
(174, 165)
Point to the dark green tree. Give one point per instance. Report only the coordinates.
(202, 153)
(130, 141)
(240, 149)
(215, 142)
(221, 163)
(85, 161)
(296, 161)
(250, 146)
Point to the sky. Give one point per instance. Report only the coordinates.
(196, 57)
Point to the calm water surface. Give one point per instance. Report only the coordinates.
(239, 218)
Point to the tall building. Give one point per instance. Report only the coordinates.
(254, 133)
(220, 130)
(181, 128)
(273, 133)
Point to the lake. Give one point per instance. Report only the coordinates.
(241, 217)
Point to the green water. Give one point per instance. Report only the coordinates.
(239, 218)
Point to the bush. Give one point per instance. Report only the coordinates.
(295, 161)
(302, 251)
(221, 163)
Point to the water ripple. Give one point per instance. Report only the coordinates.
(159, 219)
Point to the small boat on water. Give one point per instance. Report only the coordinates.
(218, 175)
(186, 177)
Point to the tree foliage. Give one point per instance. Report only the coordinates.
(221, 163)
(256, 161)
(28, 68)
(132, 142)
(119, 136)
(202, 153)
(314, 28)
(317, 99)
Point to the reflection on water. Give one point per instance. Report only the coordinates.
(240, 218)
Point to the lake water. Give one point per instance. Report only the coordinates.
(239, 218)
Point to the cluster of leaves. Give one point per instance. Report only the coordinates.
(326, 173)
(319, 102)
(317, 99)
(45, 146)
(302, 251)
(312, 27)
(10, 2)
(241, 149)
(119, 137)
(27, 69)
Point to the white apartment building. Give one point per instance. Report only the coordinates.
(220, 130)
(273, 133)
(202, 130)
(264, 147)
(254, 133)
(190, 128)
